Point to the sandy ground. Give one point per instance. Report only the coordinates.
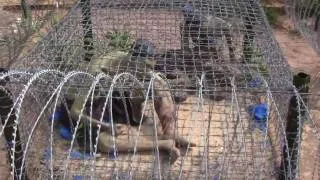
(297, 51)
(301, 57)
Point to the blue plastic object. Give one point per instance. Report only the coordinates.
(259, 113)
(257, 82)
(56, 116)
(65, 133)
(77, 177)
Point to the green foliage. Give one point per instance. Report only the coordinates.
(55, 19)
(256, 63)
(81, 129)
(262, 69)
(31, 26)
(247, 53)
(120, 40)
(272, 15)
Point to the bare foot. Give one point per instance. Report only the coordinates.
(172, 150)
(180, 141)
(174, 154)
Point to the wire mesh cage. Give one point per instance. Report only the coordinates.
(157, 89)
(306, 17)
(20, 24)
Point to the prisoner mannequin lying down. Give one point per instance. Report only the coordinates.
(126, 114)
(126, 111)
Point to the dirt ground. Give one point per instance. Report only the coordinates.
(302, 58)
(300, 55)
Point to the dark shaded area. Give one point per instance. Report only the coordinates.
(317, 22)
(301, 81)
(122, 110)
(143, 48)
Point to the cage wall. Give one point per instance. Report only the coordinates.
(227, 145)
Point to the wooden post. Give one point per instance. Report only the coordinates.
(87, 29)
(26, 13)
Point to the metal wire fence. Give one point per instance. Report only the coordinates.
(306, 16)
(24, 22)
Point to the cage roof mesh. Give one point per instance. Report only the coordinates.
(237, 38)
